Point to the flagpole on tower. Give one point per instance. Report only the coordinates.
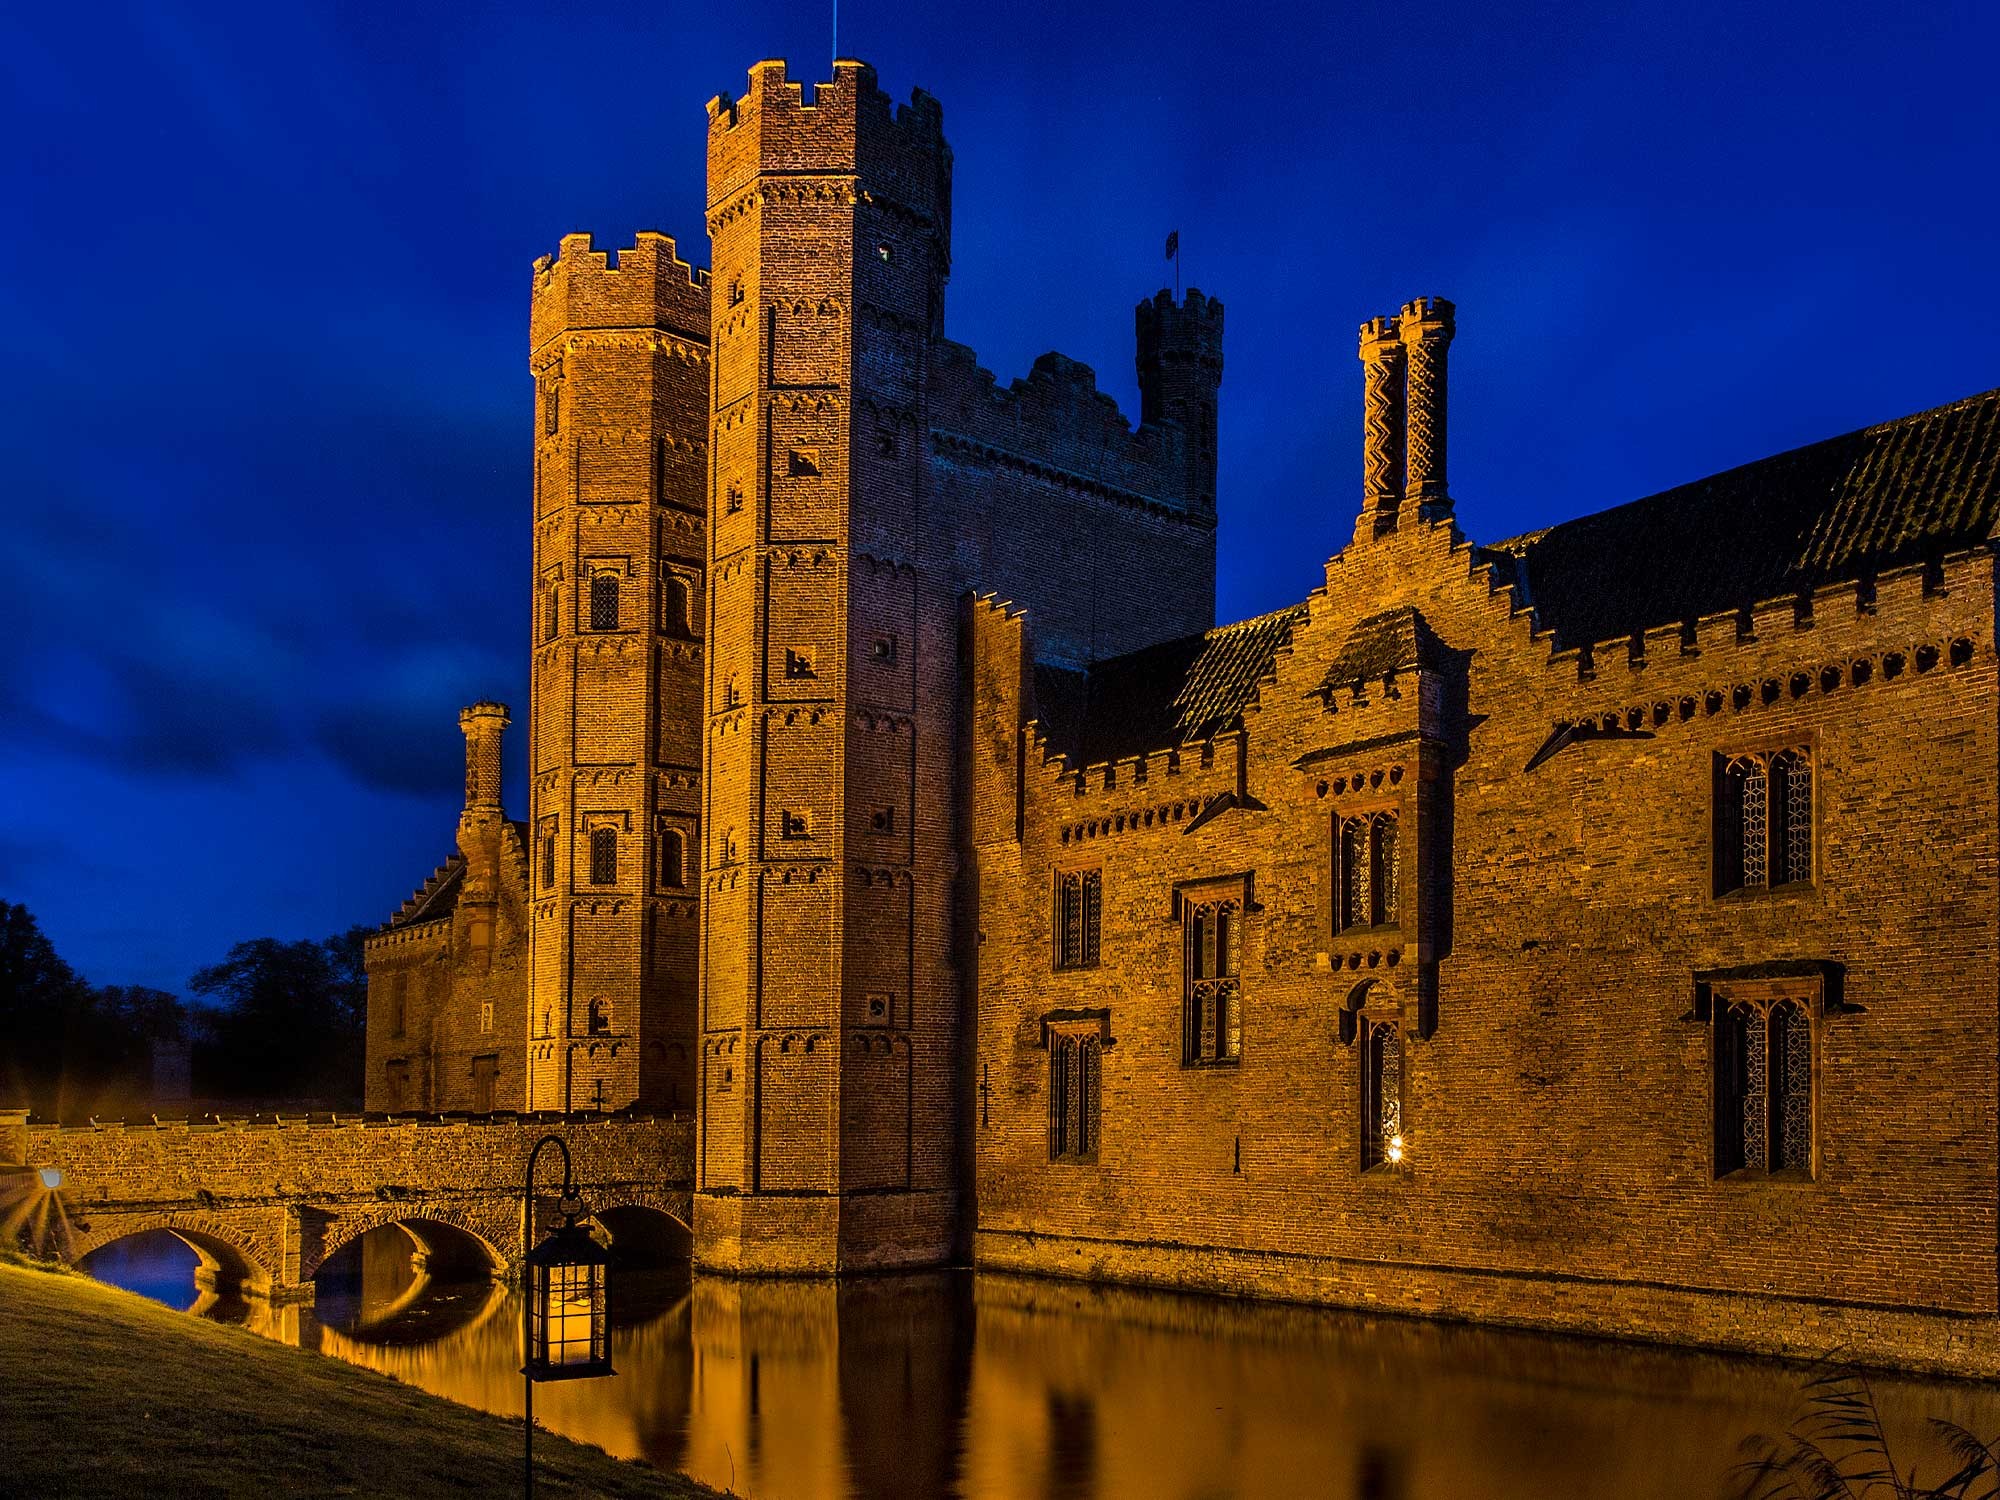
(1173, 250)
(836, 30)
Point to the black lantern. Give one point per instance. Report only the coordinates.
(565, 1314)
(568, 1333)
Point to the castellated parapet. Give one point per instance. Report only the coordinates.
(648, 285)
(847, 121)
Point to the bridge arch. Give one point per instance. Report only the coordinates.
(643, 1234)
(443, 1239)
(224, 1259)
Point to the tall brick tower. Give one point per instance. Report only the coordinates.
(1180, 378)
(619, 354)
(829, 999)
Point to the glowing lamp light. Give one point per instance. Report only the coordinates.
(1394, 1150)
(52, 1177)
(568, 1319)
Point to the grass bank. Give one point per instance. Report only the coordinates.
(103, 1393)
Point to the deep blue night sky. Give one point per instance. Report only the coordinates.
(265, 276)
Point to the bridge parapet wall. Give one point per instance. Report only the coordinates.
(285, 1194)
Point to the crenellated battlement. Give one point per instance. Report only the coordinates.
(646, 285)
(849, 126)
(1055, 419)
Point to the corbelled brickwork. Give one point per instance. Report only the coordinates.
(1412, 946)
(264, 1203)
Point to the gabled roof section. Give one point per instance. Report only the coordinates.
(1882, 497)
(436, 897)
(1163, 695)
(1395, 640)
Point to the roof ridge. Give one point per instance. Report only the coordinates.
(1515, 545)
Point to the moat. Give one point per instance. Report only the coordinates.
(992, 1388)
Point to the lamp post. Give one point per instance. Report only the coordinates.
(565, 1312)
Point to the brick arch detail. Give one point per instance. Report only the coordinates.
(242, 1243)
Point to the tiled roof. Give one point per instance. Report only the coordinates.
(1160, 696)
(436, 897)
(1383, 643)
(1878, 498)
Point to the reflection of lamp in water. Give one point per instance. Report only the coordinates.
(565, 1318)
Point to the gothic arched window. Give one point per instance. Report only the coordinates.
(1763, 1085)
(1212, 989)
(604, 601)
(603, 856)
(1075, 1067)
(1381, 1093)
(1764, 821)
(1079, 905)
(1365, 872)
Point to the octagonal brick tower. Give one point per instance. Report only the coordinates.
(619, 352)
(829, 1002)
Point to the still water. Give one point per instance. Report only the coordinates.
(992, 1388)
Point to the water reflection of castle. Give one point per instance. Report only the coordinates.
(1498, 932)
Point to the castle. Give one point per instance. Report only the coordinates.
(1596, 929)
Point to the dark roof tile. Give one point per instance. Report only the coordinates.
(1882, 497)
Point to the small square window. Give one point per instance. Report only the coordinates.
(795, 825)
(803, 463)
(801, 662)
(882, 820)
(883, 652)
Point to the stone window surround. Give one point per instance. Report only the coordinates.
(1805, 740)
(1233, 892)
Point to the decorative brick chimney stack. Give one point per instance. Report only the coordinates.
(1426, 327)
(479, 827)
(483, 724)
(1381, 427)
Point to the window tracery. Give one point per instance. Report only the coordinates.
(1212, 987)
(1763, 1085)
(1366, 877)
(1075, 1069)
(1764, 832)
(1079, 907)
(1381, 1093)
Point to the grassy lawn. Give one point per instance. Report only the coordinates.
(106, 1394)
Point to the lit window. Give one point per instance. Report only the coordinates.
(1079, 902)
(1381, 1093)
(1212, 987)
(604, 601)
(604, 856)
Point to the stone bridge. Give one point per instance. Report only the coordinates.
(264, 1202)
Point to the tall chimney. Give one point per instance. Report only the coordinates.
(1426, 327)
(483, 723)
(1381, 426)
